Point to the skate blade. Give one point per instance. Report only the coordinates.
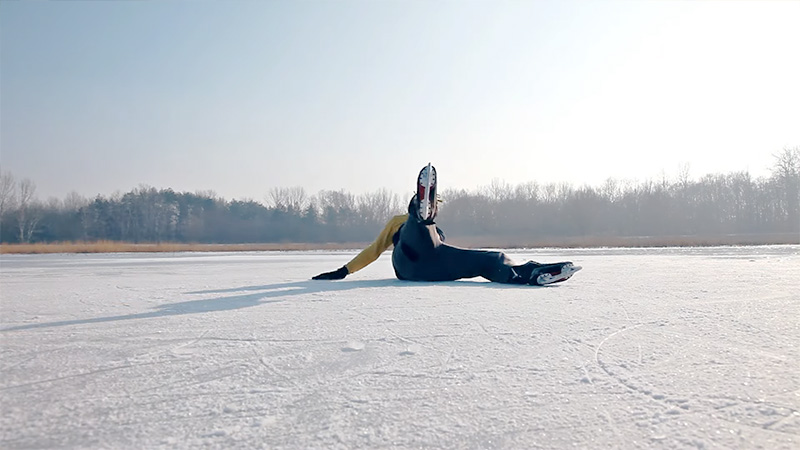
(566, 273)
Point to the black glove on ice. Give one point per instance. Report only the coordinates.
(337, 274)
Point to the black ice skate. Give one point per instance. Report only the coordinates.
(426, 193)
(552, 273)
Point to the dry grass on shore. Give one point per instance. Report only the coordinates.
(474, 242)
(163, 247)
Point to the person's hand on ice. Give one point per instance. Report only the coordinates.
(337, 274)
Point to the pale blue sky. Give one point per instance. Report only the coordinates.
(242, 96)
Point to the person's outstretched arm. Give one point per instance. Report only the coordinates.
(369, 254)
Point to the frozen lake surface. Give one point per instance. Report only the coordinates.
(657, 348)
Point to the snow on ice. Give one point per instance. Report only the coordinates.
(651, 348)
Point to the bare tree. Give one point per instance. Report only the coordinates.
(499, 190)
(376, 207)
(7, 192)
(74, 201)
(683, 174)
(664, 180)
(288, 199)
(787, 162)
(208, 193)
(527, 192)
(338, 207)
(787, 174)
(611, 189)
(28, 214)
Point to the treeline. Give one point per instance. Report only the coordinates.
(716, 204)
(147, 214)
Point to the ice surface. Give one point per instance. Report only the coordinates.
(666, 348)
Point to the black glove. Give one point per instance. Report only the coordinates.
(337, 274)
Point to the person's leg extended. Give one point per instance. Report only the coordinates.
(421, 255)
(454, 263)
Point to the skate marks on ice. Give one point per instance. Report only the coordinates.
(660, 360)
(700, 377)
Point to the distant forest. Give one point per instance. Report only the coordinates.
(713, 205)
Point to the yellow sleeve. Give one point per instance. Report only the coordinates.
(384, 241)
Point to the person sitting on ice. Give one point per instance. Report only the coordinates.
(420, 253)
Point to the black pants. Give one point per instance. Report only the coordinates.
(420, 254)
